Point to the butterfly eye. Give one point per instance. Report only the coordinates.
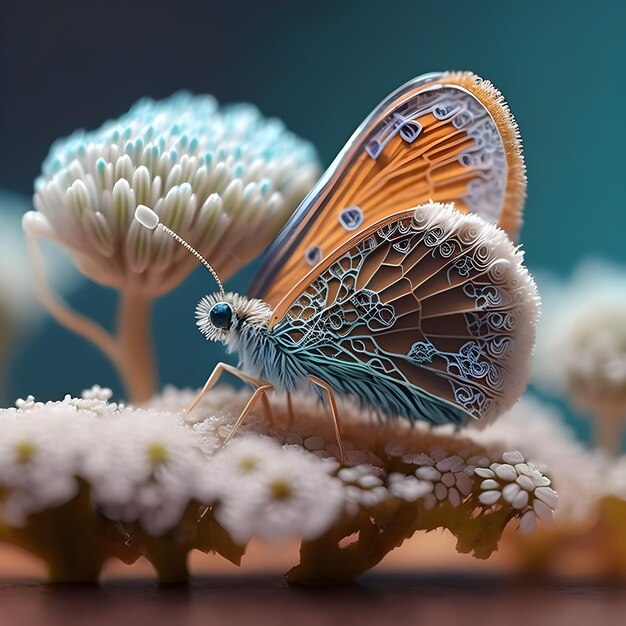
(221, 315)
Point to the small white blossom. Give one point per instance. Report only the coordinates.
(520, 485)
(541, 433)
(281, 494)
(95, 400)
(28, 403)
(146, 468)
(40, 455)
(97, 393)
(364, 487)
(409, 488)
(244, 456)
(581, 341)
(447, 473)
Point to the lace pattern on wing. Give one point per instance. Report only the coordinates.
(438, 302)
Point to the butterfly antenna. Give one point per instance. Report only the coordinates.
(148, 218)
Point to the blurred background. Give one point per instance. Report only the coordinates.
(321, 67)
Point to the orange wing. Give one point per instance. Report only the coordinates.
(443, 137)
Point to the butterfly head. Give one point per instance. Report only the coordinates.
(220, 316)
(223, 316)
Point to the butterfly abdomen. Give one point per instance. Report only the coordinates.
(382, 394)
(267, 355)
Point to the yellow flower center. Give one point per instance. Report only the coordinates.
(157, 453)
(248, 464)
(25, 451)
(281, 490)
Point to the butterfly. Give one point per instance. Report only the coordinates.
(396, 281)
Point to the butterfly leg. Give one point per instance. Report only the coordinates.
(330, 395)
(260, 392)
(290, 408)
(220, 368)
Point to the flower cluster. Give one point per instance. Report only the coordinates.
(516, 482)
(540, 432)
(158, 482)
(581, 344)
(589, 523)
(225, 179)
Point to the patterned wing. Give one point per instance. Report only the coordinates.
(449, 138)
(427, 315)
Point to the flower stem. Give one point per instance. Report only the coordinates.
(72, 539)
(168, 553)
(136, 363)
(609, 431)
(131, 351)
(167, 556)
(325, 561)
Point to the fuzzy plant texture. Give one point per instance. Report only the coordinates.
(154, 481)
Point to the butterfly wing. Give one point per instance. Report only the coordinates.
(428, 315)
(444, 137)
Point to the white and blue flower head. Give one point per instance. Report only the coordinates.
(225, 178)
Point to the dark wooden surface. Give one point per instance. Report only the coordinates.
(377, 600)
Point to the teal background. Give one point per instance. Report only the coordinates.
(321, 67)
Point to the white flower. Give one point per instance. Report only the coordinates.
(244, 456)
(142, 465)
(276, 493)
(25, 404)
(409, 488)
(225, 179)
(364, 487)
(540, 432)
(448, 475)
(520, 485)
(40, 456)
(102, 394)
(581, 341)
(96, 400)
(146, 468)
